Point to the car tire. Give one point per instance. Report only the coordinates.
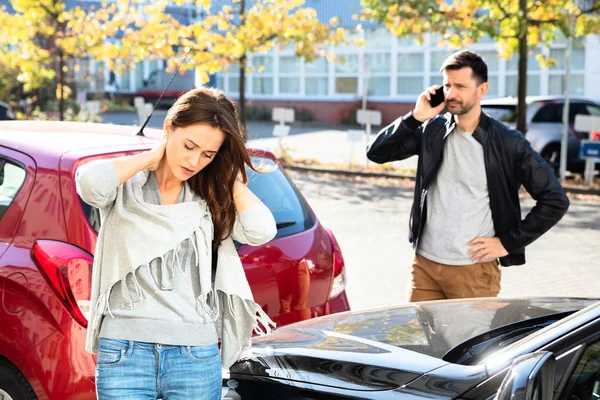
(551, 154)
(13, 385)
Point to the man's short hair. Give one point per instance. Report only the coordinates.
(467, 58)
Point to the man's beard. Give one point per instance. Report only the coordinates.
(459, 108)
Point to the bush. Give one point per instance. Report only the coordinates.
(348, 115)
(116, 105)
(260, 113)
(304, 115)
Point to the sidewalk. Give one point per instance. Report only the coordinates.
(330, 148)
(327, 149)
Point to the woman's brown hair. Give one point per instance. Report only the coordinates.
(215, 182)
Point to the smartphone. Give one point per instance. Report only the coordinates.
(437, 98)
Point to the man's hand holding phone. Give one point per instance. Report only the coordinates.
(429, 104)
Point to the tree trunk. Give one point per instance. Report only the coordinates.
(242, 83)
(61, 82)
(242, 90)
(522, 88)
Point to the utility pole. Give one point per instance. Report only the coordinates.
(565, 129)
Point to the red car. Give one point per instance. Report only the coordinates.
(47, 240)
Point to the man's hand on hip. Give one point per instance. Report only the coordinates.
(486, 249)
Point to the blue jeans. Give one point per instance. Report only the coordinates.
(136, 371)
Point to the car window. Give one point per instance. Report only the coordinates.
(549, 113)
(280, 195)
(593, 109)
(274, 189)
(12, 177)
(504, 113)
(582, 109)
(584, 383)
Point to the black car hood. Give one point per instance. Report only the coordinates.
(384, 348)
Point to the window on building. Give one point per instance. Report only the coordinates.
(378, 67)
(346, 74)
(125, 85)
(262, 75)
(379, 38)
(233, 79)
(557, 83)
(411, 69)
(492, 61)
(316, 77)
(512, 85)
(437, 59)
(139, 74)
(289, 74)
(533, 74)
(512, 65)
(557, 73)
(220, 81)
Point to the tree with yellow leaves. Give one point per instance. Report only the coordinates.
(42, 35)
(517, 25)
(227, 35)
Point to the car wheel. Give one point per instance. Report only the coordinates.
(13, 385)
(552, 156)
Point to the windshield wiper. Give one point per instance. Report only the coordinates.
(473, 350)
(281, 225)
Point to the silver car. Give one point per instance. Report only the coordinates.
(544, 124)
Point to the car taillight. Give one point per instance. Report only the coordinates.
(68, 271)
(338, 284)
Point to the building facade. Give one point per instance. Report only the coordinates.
(387, 73)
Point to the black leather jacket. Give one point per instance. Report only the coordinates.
(509, 163)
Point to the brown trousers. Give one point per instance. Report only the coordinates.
(430, 280)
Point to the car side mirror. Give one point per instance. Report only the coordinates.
(531, 377)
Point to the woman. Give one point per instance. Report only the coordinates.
(158, 308)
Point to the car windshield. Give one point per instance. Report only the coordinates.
(273, 187)
(459, 332)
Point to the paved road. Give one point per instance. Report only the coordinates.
(370, 218)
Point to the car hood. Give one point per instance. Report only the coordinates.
(385, 348)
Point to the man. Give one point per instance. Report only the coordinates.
(466, 213)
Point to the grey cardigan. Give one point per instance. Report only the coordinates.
(133, 233)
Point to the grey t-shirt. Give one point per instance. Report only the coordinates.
(165, 309)
(458, 203)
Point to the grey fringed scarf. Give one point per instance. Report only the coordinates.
(133, 233)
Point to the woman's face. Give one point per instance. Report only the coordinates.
(191, 148)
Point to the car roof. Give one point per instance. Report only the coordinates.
(512, 101)
(60, 137)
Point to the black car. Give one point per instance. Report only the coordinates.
(533, 348)
(6, 112)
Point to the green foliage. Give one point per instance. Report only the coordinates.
(461, 23)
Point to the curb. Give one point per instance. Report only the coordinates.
(323, 170)
(344, 172)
